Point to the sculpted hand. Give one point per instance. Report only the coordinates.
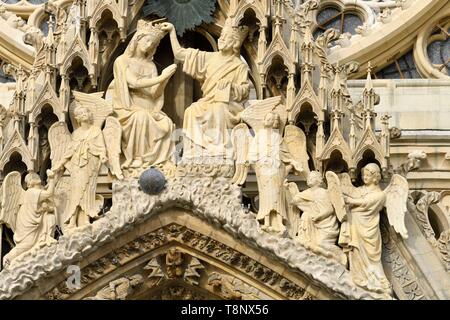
(103, 159)
(349, 200)
(167, 26)
(169, 71)
(50, 174)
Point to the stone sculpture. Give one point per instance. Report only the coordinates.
(224, 78)
(119, 289)
(270, 155)
(81, 153)
(138, 100)
(318, 225)
(360, 231)
(30, 214)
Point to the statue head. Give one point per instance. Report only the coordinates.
(371, 174)
(146, 39)
(272, 120)
(83, 114)
(33, 180)
(136, 280)
(231, 38)
(314, 179)
(33, 37)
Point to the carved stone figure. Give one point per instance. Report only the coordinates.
(174, 263)
(54, 8)
(119, 289)
(270, 155)
(318, 225)
(360, 231)
(224, 78)
(230, 288)
(82, 155)
(30, 214)
(139, 98)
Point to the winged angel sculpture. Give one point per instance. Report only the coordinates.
(30, 213)
(81, 155)
(271, 155)
(360, 234)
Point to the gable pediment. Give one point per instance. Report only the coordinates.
(212, 226)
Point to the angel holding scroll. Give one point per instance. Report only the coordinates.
(81, 153)
(360, 232)
(29, 214)
(271, 155)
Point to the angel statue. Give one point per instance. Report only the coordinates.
(224, 78)
(360, 232)
(271, 156)
(29, 214)
(318, 225)
(138, 99)
(81, 153)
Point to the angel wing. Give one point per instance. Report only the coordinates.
(336, 195)
(293, 212)
(241, 138)
(295, 140)
(256, 111)
(113, 134)
(396, 203)
(99, 107)
(347, 186)
(62, 190)
(60, 139)
(12, 194)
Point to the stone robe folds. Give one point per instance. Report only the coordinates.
(269, 156)
(314, 204)
(85, 152)
(146, 130)
(33, 227)
(364, 245)
(206, 122)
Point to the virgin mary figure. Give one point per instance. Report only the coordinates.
(138, 100)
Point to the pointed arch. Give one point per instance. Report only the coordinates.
(369, 142)
(306, 95)
(47, 97)
(16, 144)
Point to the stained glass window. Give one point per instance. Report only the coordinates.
(10, 1)
(3, 77)
(439, 48)
(402, 68)
(184, 14)
(336, 18)
(37, 1)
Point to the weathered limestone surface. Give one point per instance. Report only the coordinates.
(211, 199)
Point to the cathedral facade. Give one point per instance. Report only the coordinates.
(225, 149)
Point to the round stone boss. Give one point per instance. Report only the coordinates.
(152, 181)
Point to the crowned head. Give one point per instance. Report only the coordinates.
(147, 38)
(232, 37)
